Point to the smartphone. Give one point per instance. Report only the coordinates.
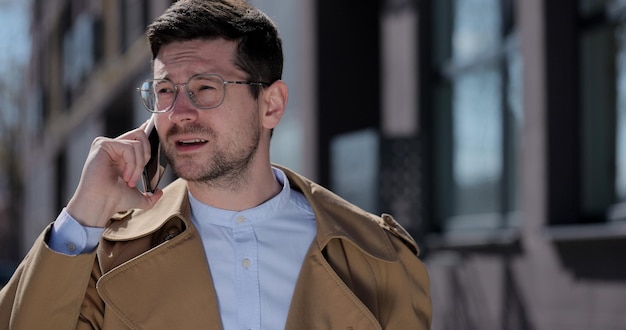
(155, 168)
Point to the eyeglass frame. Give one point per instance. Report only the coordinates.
(190, 95)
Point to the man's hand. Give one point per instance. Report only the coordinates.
(109, 179)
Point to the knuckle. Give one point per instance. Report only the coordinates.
(98, 141)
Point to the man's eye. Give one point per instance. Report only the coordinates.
(164, 90)
(206, 88)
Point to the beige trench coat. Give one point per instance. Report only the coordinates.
(150, 272)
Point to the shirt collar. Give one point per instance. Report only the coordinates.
(204, 213)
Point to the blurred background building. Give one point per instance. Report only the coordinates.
(493, 130)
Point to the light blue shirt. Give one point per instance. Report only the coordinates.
(254, 255)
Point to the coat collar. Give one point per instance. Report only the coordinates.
(335, 218)
(139, 223)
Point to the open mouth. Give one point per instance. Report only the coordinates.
(188, 143)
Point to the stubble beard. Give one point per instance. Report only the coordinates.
(228, 166)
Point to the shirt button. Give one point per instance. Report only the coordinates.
(241, 219)
(71, 247)
(246, 263)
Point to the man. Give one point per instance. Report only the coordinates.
(236, 243)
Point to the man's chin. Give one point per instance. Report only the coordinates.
(189, 172)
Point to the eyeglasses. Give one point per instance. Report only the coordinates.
(206, 91)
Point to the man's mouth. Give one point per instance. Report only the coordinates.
(185, 143)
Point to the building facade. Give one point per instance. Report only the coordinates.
(523, 128)
(493, 130)
(86, 58)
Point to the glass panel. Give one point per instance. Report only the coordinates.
(590, 6)
(477, 140)
(477, 28)
(133, 28)
(355, 174)
(620, 180)
(479, 115)
(515, 121)
(597, 121)
(442, 31)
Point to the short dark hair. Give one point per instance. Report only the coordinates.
(259, 52)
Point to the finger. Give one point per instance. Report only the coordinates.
(134, 160)
(133, 134)
(138, 134)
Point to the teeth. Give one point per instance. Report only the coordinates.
(192, 141)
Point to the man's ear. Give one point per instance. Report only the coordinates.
(275, 101)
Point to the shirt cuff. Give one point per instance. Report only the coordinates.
(71, 238)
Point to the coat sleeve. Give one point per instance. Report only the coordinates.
(47, 291)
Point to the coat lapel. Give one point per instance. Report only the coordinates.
(176, 275)
(321, 300)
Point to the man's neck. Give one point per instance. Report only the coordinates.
(250, 190)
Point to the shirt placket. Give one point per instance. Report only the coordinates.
(247, 274)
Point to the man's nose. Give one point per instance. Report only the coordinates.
(183, 109)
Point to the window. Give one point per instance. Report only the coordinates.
(80, 33)
(603, 110)
(134, 17)
(477, 113)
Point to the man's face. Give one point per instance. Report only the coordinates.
(212, 146)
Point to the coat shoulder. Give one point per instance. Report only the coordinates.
(337, 217)
(390, 225)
